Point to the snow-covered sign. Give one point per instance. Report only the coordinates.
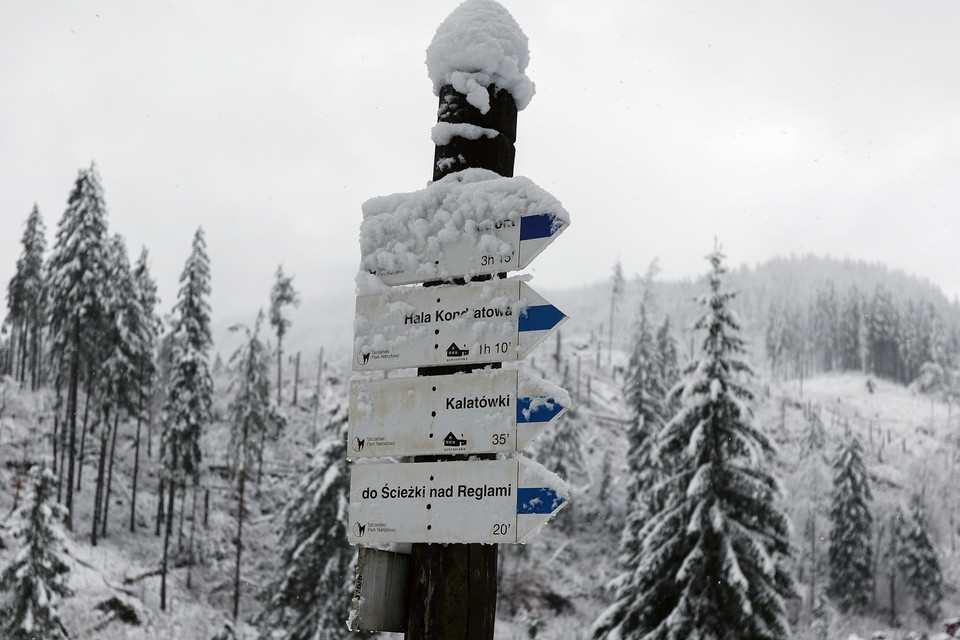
(501, 320)
(483, 501)
(470, 223)
(490, 411)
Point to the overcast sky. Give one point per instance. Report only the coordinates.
(780, 127)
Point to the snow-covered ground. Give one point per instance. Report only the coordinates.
(556, 583)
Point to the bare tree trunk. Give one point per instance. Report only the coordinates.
(101, 464)
(160, 490)
(193, 529)
(236, 571)
(183, 500)
(279, 369)
(136, 465)
(263, 437)
(166, 547)
(813, 562)
(113, 449)
(316, 408)
(72, 419)
(83, 435)
(53, 440)
(296, 378)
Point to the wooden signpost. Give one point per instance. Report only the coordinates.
(459, 237)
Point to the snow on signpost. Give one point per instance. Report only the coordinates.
(470, 223)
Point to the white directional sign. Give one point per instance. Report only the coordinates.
(501, 320)
(484, 501)
(464, 226)
(494, 410)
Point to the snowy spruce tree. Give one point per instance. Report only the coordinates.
(710, 554)
(149, 326)
(282, 294)
(251, 413)
(894, 558)
(187, 410)
(921, 565)
(310, 597)
(669, 366)
(645, 394)
(810, 498)
(78, 277)
(850, 550)
(25, 303)
(117, 383)
(36, 578)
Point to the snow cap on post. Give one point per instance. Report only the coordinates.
(478, 45)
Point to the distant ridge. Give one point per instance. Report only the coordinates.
(793, 278)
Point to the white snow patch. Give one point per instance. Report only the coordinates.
(443, 132)
(478, 45)
(469, 206)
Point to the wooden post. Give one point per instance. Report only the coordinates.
(453, 587)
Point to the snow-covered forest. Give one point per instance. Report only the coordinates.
(757, 453)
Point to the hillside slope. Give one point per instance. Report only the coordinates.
(555, 586)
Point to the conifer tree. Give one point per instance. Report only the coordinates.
(282, 294)
(710, 551)
(251, 413)
(616, 292)
(118, 381)
(645, 395)
(850, 550)
(145, 358)
(312, 592)
(78, 276)
(187, 409)
(921, 566)
(564, 452)
(812, 461)
(37, 575)
(25, 301)
(669, 366)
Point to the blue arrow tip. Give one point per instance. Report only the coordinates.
(537, 500)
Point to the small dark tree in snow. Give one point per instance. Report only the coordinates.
(282, 294)
(37, 575)
(921, 566)
(850, 577)
(894, 558)
(616, 292)
(669, 367)
(710, 553)
(563, 454)
(77, 282)
(811, 469)
(251, 412)
(190, 394)
(311, 596)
